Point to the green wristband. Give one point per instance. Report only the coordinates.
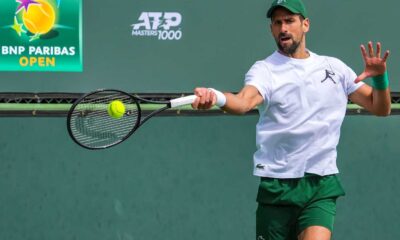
(381, 82)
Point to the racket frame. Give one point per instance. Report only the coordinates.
(99, 91)
(168, 104)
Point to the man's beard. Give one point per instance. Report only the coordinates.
(288, 50)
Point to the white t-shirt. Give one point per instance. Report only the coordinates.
(304, 105)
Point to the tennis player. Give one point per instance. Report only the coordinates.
(302, 98)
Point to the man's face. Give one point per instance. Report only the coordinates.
(288, 29)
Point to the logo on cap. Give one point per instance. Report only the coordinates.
(294, 6)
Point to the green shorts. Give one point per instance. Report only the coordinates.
(288, 206)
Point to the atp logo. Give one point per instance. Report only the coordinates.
(34, 18)
(162, 25)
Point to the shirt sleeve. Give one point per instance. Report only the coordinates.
(258, 77)
(350, 76)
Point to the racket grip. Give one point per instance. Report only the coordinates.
(183, 101)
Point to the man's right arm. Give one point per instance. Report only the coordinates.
(247, 99)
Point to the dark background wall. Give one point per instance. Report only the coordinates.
(220, 41)
(191, 179)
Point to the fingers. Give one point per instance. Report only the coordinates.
(371, 49)
(361, 77)
(363, 52)
(378, 49)
(371, 53)
(386, 55)
(205, 98)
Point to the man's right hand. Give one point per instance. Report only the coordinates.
(206, 98)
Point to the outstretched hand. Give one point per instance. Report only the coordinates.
(375, 65)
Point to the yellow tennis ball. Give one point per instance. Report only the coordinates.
(116, 109)
(39, 18)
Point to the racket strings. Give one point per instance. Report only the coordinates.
(92, 125)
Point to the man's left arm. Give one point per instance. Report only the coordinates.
(375, 99)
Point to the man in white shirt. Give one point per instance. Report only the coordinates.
(302, 99)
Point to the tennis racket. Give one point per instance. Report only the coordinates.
(91, 126)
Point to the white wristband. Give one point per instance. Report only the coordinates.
(221, 99)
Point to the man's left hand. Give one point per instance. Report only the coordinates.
(375, 65)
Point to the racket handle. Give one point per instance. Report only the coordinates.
(182, 101)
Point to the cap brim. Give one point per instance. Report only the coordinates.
(271, 10)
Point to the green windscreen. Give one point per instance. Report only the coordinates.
(58, 105)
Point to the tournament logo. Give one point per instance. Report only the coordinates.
(159, 25)
(39, 35)
(34, 18)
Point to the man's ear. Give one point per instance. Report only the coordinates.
(306, 25)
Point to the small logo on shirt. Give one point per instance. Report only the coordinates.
(260, 166)
(328, 75)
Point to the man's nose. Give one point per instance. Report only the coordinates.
(284, 28)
